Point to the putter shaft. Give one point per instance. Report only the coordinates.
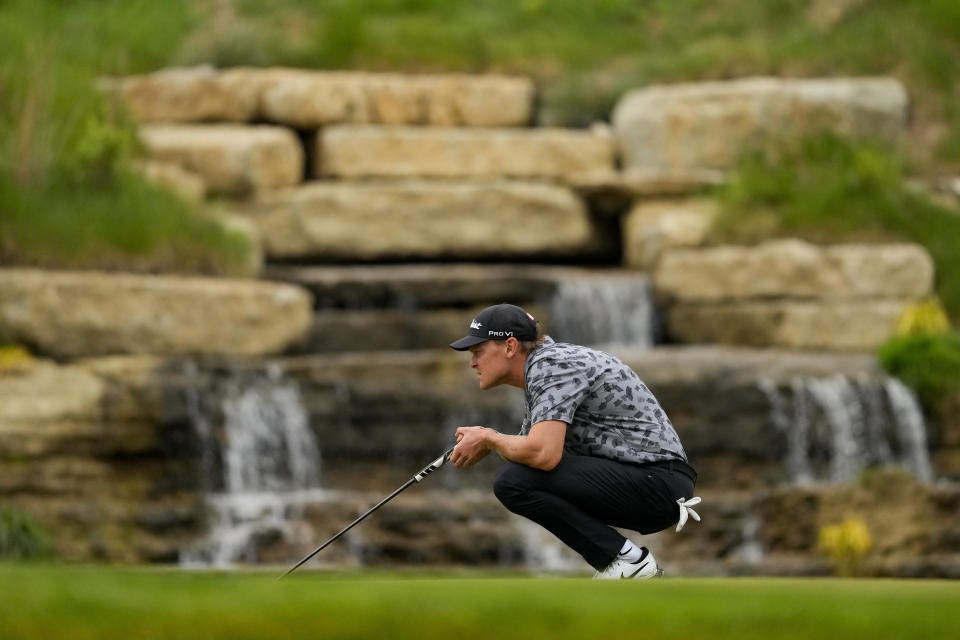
(427, 470)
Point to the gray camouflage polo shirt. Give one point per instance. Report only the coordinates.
(609, 411)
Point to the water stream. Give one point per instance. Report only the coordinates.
(836, 427)
(262, 466)
(604, 310)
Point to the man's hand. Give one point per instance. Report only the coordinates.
(472, 446)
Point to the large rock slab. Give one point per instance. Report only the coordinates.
(70, 314)
(384, 330)
(363, 221)
(420, 286)
(44, 407)
(795, 269)
(371, 151)
(705, 125)
(309, 99)
(651, 228)
(231, 159)
(185, 94)
(853, 324)
(312, 99)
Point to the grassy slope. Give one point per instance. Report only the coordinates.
(585, 54)
(79, 603)
(68, 195)
(63, 150)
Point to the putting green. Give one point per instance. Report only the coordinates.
(52, 602)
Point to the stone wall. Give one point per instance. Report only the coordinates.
(347, 167)
(358, 186)
(308, 99)
(98, 455)
(791, 293)
(113, 467)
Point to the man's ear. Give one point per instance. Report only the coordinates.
(511, 347)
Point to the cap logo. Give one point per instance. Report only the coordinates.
(475, 324)
(500, 334)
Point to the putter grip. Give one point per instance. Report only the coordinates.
(433, 466)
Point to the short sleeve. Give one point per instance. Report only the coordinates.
(555, 389)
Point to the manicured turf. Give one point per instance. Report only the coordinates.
(80, 603)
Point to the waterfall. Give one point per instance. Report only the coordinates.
(911, 428)
(268, 466)
(606, 310)
(836, 427)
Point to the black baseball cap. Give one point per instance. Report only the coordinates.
(499, 322)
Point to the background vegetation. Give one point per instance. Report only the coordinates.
(69, 602)
(929, 364)
(69, 192)
(69, 196)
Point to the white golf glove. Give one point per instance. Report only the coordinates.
(686, 511)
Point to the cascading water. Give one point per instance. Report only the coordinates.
(836, 427)
(911, 428)
(605, 310)
(268, 467)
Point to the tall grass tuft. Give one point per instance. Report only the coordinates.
(69, 196)
(21, 537)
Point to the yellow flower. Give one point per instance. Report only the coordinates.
(926, 317)
(845, 545)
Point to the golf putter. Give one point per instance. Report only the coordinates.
(427, 470)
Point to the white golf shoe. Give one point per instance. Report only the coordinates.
(644, 568)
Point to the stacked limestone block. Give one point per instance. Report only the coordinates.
(361, 167)
(786, 294)
(790, 293)
(399, 166)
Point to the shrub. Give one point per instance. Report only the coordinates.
(928, 363)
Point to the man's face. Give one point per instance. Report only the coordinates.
(490, 362)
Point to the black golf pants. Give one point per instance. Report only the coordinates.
(584, 497)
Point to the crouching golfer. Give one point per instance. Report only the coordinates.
(595, 450)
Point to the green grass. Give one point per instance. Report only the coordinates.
(82, 603)
(69, 197)
(126, 224)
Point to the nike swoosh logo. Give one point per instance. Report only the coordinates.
(639, 569)
(644, 553)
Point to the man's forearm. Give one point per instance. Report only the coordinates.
(522, 449)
